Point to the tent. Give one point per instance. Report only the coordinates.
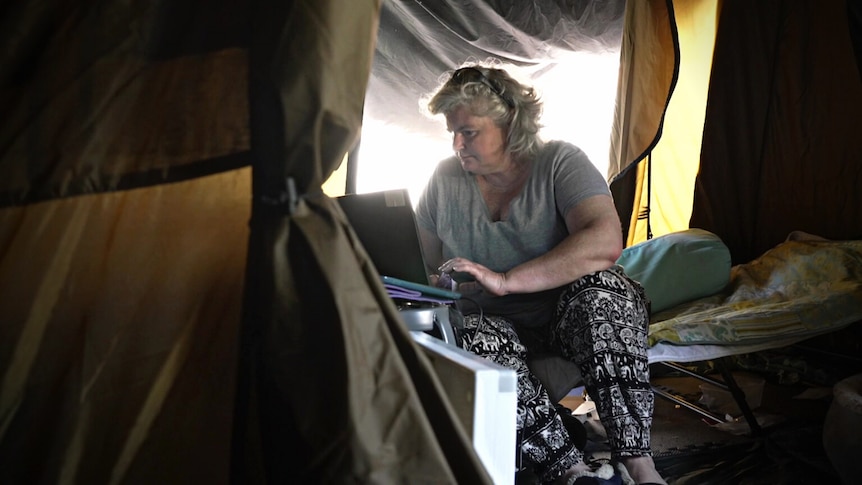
(181, 302)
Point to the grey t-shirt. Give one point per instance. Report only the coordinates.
(452, 207)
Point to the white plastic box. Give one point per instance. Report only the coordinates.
(484, 396)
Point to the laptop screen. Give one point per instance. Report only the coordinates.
(386, 226)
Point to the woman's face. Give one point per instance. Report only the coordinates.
(479, 143)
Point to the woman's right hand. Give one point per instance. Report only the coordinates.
(485, 279)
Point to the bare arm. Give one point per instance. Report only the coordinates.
(594, 243)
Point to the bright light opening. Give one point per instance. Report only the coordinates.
(579, 93)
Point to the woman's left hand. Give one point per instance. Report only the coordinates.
(490, 281)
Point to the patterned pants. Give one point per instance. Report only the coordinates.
(601, 325)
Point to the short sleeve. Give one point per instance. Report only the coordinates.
(575, 177)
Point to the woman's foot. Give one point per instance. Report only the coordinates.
(572, 472)
(604, 475)
(642, 469)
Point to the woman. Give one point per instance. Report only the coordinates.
(530, 233)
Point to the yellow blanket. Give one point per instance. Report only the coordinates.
(798, 288)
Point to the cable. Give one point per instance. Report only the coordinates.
(478, 325)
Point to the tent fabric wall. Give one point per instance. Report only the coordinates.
(139, 243)
(674, 158)
(777, 152)
(104, 96)
(119, 330)
(664, 199)
(648, 71)
(780, 145)
(120, 308)
(331, 387)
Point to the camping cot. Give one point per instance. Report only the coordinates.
(709, 310)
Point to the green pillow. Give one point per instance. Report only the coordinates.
(678, 267)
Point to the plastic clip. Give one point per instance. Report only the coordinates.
(286, 199)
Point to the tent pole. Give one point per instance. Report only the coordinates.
(644, 212)
(352, 167)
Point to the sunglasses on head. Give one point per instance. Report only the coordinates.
(472, 74)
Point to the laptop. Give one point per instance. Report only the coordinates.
(386, 226)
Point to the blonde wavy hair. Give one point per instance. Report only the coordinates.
(493, 92)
